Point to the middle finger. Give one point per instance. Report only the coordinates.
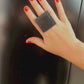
(39, 10)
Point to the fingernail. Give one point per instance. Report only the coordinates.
(28, 42)
(26, 8)
(31, 0)
(40, 0)
(57, 1)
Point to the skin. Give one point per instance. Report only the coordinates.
(60, 39)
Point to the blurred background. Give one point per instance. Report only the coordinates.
(22, 63)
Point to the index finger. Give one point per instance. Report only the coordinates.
(32, 18)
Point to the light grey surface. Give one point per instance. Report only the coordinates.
(3, 20)
(76, 75)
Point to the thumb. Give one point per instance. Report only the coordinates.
(35, 40)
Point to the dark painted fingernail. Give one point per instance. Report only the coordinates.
(26, 8)
(28, 42)
(57, 1)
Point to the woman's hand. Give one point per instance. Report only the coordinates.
(59, 39)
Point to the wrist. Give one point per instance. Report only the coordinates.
(75, 54)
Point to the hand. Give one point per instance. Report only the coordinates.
(60, 38)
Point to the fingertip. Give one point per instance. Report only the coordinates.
(30, 0)
(26, 8)
(40, 0)
(57, 1)
(27, 41)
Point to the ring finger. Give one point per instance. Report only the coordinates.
(48, 8)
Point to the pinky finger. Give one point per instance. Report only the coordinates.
(61, 11)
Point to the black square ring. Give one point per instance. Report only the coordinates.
(45, 21)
